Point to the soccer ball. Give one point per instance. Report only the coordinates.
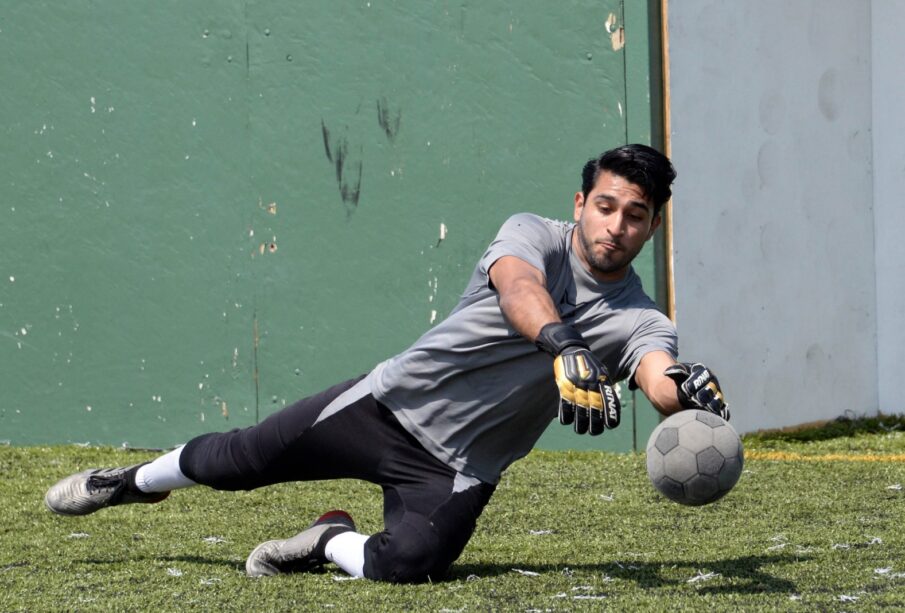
(694, 457)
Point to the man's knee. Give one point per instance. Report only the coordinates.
(412, 551)
(219, 460)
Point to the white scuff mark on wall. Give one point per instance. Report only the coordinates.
(93, 102)
(194, 122)
(12, 279)
(617, 34)
(443, 231)
(88, 408)
(619, 106)
(433, 316)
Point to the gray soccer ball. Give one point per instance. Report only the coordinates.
(694, 457)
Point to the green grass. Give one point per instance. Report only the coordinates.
(809, 536)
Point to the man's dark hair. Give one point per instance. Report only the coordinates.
(639, 164)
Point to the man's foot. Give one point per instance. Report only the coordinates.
(94, 489)
(302, 552)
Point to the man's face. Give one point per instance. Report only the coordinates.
(613, 223)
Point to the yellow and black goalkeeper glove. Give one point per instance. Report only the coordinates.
(698, 388)
(586, 395)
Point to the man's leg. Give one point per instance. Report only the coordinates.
(430, 512)
(240, 459)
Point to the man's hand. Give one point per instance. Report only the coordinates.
(586, 396)
(698, 388)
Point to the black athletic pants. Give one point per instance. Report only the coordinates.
(429, 510)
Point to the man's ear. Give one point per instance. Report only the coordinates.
(654, 225)
(579, 205)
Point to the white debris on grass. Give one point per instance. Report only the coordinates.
(472, 578)
(882, 571)
(540, 532)
(214, 539)
(847, 598)
(526, 573)
(79, 535)
(345, 578)
(702, 576)
(630, 566)
(210, 581)
(874, 540)
(795, 597)
(777, 546)
(895, 486)
(174, 572)
(607, 497)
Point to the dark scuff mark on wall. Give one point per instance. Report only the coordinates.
(326, 134)
(388, 119)
(348, 173)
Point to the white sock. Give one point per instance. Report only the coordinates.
(163, 474)
(347, 550)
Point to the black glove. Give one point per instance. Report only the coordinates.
(586, 397)
(698, 388)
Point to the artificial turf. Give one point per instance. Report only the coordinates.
(565, 531)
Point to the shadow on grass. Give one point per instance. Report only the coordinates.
(745, 575)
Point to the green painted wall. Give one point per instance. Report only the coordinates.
(210, 209)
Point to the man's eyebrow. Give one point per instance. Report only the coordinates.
(612, 200)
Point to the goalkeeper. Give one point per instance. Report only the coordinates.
(552, 317)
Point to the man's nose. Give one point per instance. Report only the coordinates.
(617, 227)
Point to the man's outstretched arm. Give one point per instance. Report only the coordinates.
(587, 397)
(524, 298)
(672, 386)
(659, 389)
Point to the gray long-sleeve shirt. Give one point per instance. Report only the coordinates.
(478, 395)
